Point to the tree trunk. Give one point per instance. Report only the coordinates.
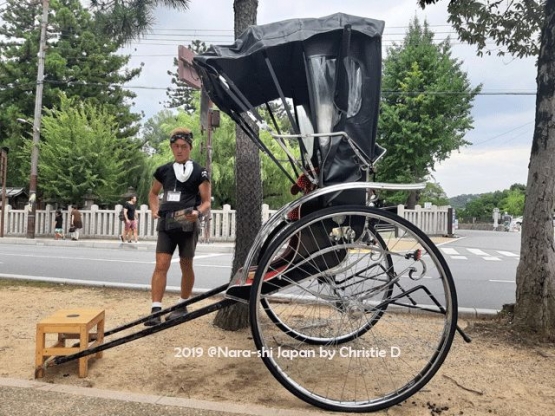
(413, 199)
(535, 280)
(249, 189)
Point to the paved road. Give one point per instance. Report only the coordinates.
(483, 264)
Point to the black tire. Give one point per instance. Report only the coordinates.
(305, 337)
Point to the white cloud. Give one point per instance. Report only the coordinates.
(474, 171)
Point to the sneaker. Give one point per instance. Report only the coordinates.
(128, 241)
(154, 320)
(178, 313)
(121, 238)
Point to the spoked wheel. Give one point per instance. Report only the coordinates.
(338, 292)
(360, 315)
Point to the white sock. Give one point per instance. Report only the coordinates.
(156, 304)
(181, 300)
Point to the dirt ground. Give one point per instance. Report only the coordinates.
(498, 373)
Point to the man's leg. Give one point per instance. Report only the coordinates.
(158, 285)
(187, 277)
(187, 246)
(124, 232)
(187, 283)
(159, 277)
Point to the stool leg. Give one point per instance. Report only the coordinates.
(83, 343)
(100, 336)
(39, 357)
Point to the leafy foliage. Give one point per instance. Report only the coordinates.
(80, 152)
(479, 208)
(513, 25)
(80, 62)
(425, 110)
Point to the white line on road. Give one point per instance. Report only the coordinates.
(507, 253)
(201, 256)
(449, 251)
(501, 281)
(78, 258)
(459, 257)
(477, 251)
(491, 258)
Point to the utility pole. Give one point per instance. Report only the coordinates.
(36, 124)
(3, 174)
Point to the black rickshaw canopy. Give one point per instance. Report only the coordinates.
(326, 71)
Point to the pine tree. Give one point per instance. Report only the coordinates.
(79, 61)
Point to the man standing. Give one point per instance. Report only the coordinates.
(187, 196)
(76, 223)
(130, 220)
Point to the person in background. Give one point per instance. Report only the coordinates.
(130, 221)
(59, 226)
(76, 223)
(187, 197)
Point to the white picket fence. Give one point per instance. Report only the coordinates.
(105, 223)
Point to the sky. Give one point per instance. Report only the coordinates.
(503, 115)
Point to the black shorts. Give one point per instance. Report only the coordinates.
(169, 240)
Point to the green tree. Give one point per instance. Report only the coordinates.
(435, 194)
(514, 27)
(80, 151)
(514, 199)
(154, 133)
(425, 110)
(481, 209)
(79, 62)
(129, 19)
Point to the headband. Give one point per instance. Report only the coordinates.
(188, 137)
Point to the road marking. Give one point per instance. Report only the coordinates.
(502, 281)
(452, 253)
(507, 253)
(477, 251)
(201, 256)
(77, 258)
(455, 255)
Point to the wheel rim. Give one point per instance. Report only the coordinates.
(371, 352)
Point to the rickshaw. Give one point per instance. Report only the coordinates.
(351, 307)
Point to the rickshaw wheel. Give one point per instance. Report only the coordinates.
(361, 316)
(333, 289)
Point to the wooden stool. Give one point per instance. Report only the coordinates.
(69, 324)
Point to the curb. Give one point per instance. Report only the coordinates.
(148, 245)
(132, 399)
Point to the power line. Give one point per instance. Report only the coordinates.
(502, 134)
